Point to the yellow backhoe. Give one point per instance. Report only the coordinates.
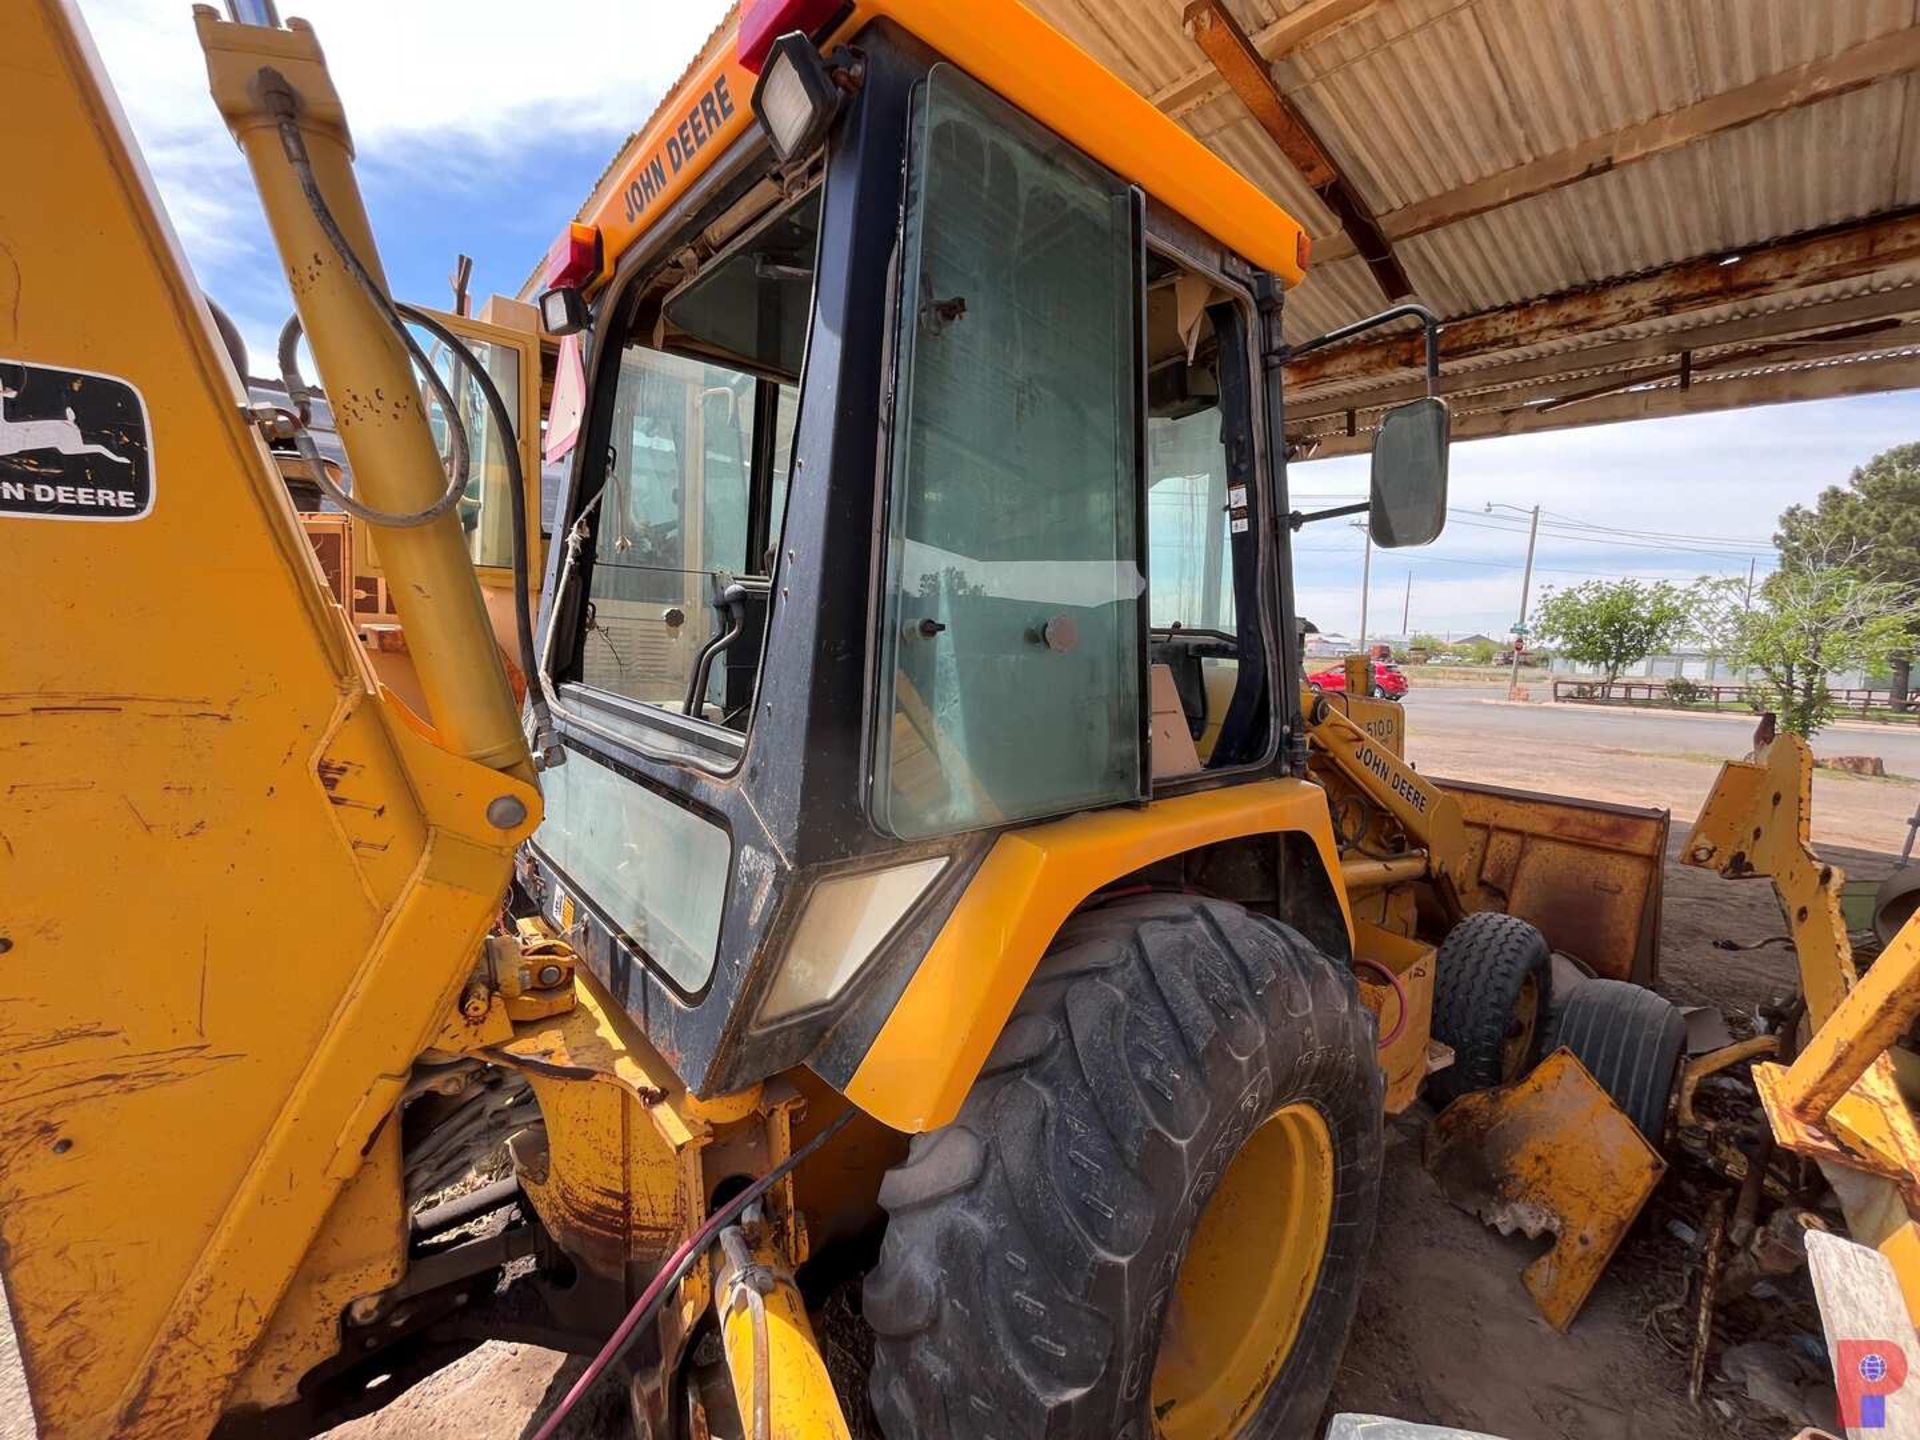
(916, 862)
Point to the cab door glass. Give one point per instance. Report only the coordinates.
(686, 525)
(1011, 640)
(485, 507)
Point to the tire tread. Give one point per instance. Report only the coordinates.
(1031, 1243)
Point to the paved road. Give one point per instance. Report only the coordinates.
(1436, 709)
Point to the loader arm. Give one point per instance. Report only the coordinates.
(242, 885)
(1428, 816)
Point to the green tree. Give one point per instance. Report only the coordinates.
(1432, 644)
(1818, 614)
(1874, 517)
(1611, 624)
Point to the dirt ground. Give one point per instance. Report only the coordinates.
(1445, 1334)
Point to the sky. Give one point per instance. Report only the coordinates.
(467, 141)
(1720, 481)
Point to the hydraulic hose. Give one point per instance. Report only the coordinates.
(503, 426)
(675, 1270)
(295, 146)
(301, 394)
(1399, 994)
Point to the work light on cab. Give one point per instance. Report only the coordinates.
(573, 261)
(796, 98)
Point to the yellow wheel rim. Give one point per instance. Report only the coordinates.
(1243, 1291)
(1519, 1042)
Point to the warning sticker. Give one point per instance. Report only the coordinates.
(73, 445)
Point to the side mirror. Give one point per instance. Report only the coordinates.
(1409, 503)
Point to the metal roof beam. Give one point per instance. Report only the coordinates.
(1823, 382)
(1825, 345)
(1844, 253)
(1215, 31)
(1291, 32)
(1881, 58)
(1771, 325)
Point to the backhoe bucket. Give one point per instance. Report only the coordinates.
(1587, 873)
(1550, 1153)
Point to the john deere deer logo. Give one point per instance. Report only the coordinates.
(73, 446)
(19, 436)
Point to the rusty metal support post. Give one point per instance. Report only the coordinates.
(1709, 1286)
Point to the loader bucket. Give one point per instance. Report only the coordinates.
(1548, 1154)
(1586, 872)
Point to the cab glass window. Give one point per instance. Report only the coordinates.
(696, 465)
(1209, 706)
(656, 870)
(486, 507)
(1011, 642)
(1188, 523)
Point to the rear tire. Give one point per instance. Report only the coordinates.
(1492, 987)
(1035, 1246)
(1632, 1041)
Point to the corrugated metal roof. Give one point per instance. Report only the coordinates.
(1415, 99)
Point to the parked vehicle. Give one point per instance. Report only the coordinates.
(1389, 680)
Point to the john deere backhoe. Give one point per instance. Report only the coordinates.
(906, 861)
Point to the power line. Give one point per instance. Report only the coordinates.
(1569, 527)
(1656, 534)
(1620, 541)
(1494, 565)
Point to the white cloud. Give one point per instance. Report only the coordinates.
(447, 86)
(466, 68)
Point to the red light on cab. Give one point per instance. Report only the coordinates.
(575, 256)
(764, 21)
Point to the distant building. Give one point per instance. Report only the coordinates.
(1700, 667)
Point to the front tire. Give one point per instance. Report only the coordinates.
(1152, 1215)
(1492, 989)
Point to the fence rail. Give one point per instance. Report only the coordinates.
(1865, 704)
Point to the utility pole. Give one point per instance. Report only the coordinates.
(1526, 592)
(1366, 583)
(1406, 608)
(1752, 560)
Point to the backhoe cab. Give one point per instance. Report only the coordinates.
(928, 486)
(916, 877)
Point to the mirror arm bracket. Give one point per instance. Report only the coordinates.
(1429, 323)
(1299, 518)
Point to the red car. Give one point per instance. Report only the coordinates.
(1389, 680)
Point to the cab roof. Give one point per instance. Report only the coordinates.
(1006, 47)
